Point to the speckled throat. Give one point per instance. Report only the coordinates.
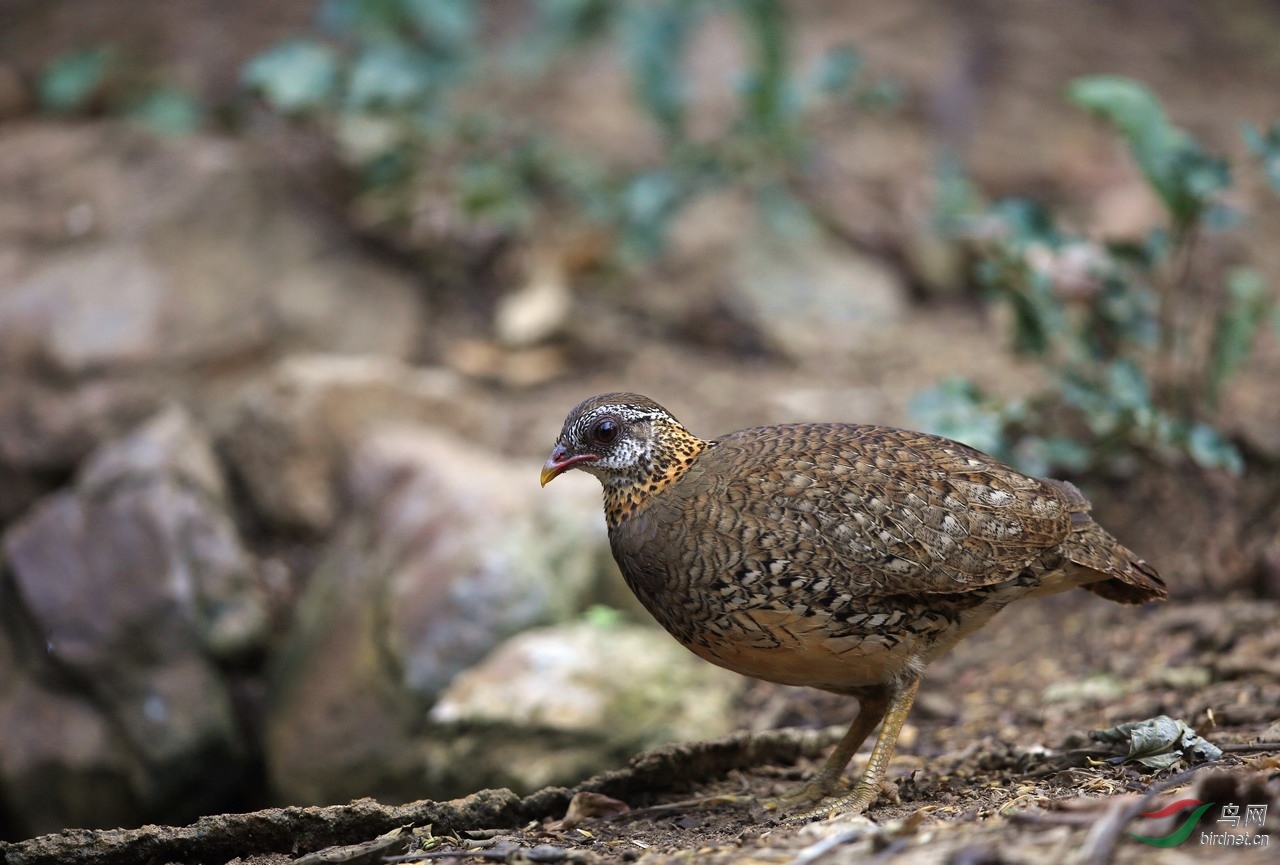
(673, 453)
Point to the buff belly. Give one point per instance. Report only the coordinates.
(779, 647)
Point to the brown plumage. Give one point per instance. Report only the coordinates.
(838, 556)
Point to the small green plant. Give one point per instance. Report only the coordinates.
(1266, 146)
(388, 80)
(98, 80)
(71, 80)
(1137, 341)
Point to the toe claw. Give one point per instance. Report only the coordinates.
(857, 801)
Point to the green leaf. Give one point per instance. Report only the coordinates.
(1066, 454)
(650, 196)
(957, 409)
(786, 215)
(494, 191)
(1174, 164)
(1031, 329)
(450, 24)
(648, 202)
(1129, 106)
(837, 70)
(956, 201)
(167, 111)
(1028, 222)
(656, 35)
(294, 77)
(390, 76)
(1247, 305)
(883, 94)
(387, 168)
(603, 616)
(770, 103)
(1102, 412)
(1212, 450)
(569, 22)
(1127, 385)
(1266, 146)
(1158, 244)
(1221, 217)
(71, 80)
(338, 17)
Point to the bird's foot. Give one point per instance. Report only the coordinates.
(796, 798)
(856, 801)
(804, 796)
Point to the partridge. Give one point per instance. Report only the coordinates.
(839, 556)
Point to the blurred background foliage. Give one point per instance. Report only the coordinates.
(389, 79)
(1137, 341)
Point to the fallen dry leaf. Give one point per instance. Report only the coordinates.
(586, 805)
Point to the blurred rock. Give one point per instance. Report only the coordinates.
(136, 270)
(127, 590)
(288, 435)
(91, 308)
(1249, 411)
(59, 749)
(446, 553)
(601, 691)
(813, 296)
(632, 681)
(687, 293)
(538, 310)
(15, 96)
(51, 426)
(214, 263)
(934, 259)
(515, 368)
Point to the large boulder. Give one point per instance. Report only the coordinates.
(555, 704)
(136, 270)
(288, 434)
(813, 296)
(446, 551)
(62, 762)
(128, 592)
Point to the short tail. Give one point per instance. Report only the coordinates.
(1129, 580)
(1110, 569)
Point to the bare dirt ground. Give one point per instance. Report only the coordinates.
(994, 766)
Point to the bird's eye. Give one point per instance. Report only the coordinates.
(604, 431)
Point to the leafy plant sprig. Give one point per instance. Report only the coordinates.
(383, 76)
(1114, 323)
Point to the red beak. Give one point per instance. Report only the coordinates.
(560, 461)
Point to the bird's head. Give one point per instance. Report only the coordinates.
(624, 439)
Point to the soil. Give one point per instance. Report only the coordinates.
(995, 765)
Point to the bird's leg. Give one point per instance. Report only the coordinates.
(868, 788)
(873, 703)
(889, 704)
